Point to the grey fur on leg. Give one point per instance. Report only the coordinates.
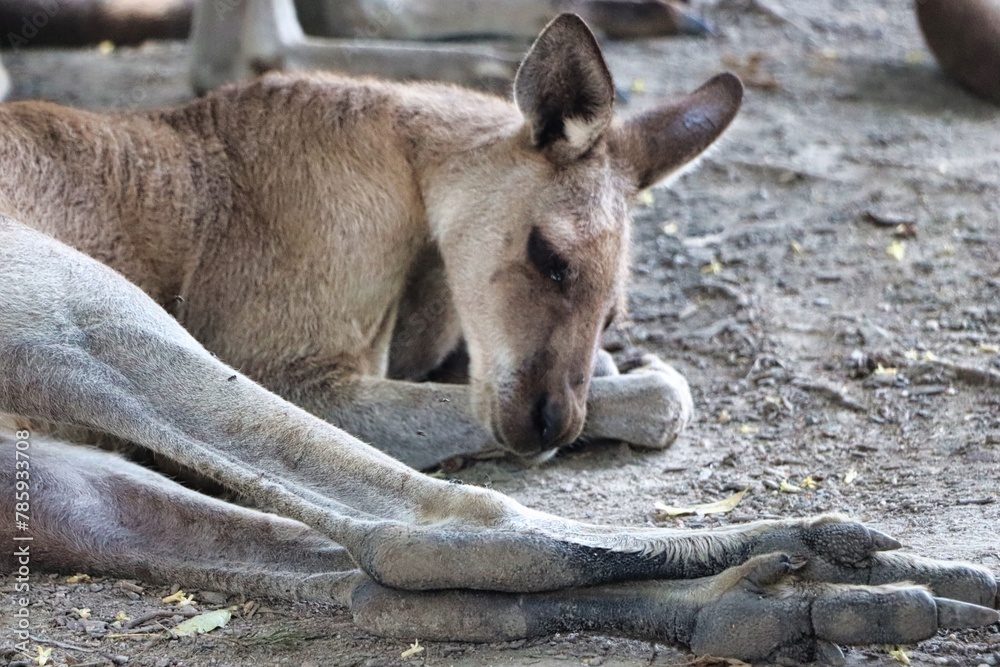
(81, 346)
(649, 406)
(604, 365)
(757, 611)
(98, 512)
(423, 424)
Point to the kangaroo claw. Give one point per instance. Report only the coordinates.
(882, 542)
(955, 615)
(830, 654)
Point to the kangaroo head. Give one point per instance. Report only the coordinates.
(535, 239)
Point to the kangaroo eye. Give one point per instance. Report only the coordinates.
(544, 257)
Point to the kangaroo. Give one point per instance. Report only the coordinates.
(231, 287)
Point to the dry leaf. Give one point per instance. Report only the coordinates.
(646, 198)
(788, 487)
(106, 47)
(899, 655)
(881, 370)
(202, 623)
(639, 86)
(896, 250)
(82, 613)
(670, 228)
(746, 429)
(851, 475)
(180, 599)
(414, 649)
(989, 348)
(77, 578)
(250, 608)
(663, 512)
(810, 483)
(714, 268)
(44, 655)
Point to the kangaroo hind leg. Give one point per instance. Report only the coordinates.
(95, 512)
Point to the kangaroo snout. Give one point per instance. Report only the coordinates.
(541, 417)
(549, 417)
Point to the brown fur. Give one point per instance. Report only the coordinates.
(282, 223)
(298, 218)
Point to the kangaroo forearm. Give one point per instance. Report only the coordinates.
(648, 406)
(425, 423)
(420, 424)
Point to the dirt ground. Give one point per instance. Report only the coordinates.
(828, 280)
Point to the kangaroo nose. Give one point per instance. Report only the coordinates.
(548, 418)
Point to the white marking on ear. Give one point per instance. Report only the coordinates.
(582, 134)
(686, 168)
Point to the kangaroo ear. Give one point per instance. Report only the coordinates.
(564, 89)
(656, 143)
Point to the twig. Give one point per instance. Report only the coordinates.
(829, 392)
(144, 631)
(160, 613)
(988, 500)
(129, 586)
(973, 375)
(778, 14)
(714, 329)
(707, 285)
(64, 645)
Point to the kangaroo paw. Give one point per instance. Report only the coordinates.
(842, 551)
(764, 610)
